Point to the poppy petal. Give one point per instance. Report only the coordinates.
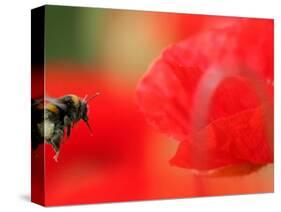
(243, 138)
(167, 94)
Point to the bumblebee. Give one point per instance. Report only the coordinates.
(52, 118)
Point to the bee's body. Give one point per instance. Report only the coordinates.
(51, 120)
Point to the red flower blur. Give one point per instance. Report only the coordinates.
(214, 93)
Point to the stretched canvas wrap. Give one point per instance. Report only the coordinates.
(135, 105)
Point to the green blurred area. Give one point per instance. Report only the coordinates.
(110, 40)
(67, 35)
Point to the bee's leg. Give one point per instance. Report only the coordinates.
(67, 123)
(68, 130)
(56, 156)
(56, 141)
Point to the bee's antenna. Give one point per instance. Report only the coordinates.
(92, 97)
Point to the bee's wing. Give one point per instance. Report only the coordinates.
(36, 101)
(49, 99)
(56, 102)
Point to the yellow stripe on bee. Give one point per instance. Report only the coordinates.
(51, 107)
(75, 99)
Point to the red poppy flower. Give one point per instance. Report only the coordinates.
(214, 93)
